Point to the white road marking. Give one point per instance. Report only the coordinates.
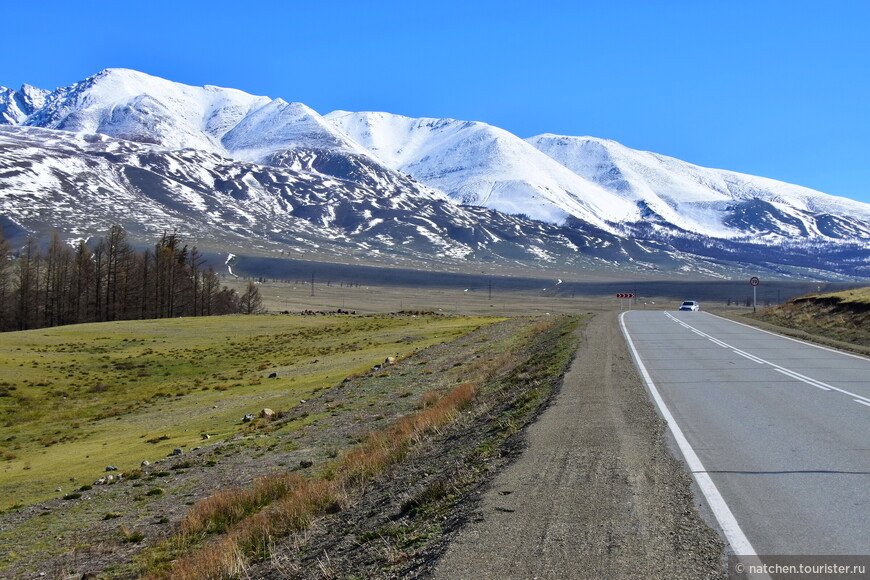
(733, 533)
(751, 357)
(862, 402)
(793, 374)
(858, 356)
(807, 380)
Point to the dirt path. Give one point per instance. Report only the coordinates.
(596, 493)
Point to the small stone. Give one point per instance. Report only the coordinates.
(205, 436)
(111, 468)
(177, 451)
(145, 463)
(248, 418)
(273, 375)
(267, 413)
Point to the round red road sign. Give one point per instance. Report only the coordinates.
(754, 281)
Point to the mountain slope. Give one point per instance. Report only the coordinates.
(235, 170)
(712, 202)
(16, 106)
(478, 164)
(633, 193)
(138, 107)
(78, 185)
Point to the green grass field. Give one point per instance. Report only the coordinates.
(76, 399)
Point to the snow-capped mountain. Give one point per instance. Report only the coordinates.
(78, 185)
(123, 146)
(674, 194)
(137, 107)
(616, 188)
(478, 164)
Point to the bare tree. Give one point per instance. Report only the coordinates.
(7, 316)
(251, 302)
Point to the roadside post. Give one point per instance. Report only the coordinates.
(754, 282)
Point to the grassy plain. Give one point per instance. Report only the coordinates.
(76, 399)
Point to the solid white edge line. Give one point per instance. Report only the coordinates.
(862, 402)
(733, 533)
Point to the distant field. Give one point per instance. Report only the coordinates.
(286, 284)
(76, 399)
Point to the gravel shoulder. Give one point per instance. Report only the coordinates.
(596, 492)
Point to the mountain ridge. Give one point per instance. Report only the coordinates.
(574, 188)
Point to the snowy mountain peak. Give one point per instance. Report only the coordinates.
(279, 126)
(711, 202)
(479, 164)
(138, 107)
(16, 106)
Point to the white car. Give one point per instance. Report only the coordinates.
(690, 305)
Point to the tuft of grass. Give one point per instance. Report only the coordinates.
(131, 536)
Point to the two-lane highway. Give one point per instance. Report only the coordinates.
(776, 431)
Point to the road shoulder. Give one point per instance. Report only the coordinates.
(596, 492)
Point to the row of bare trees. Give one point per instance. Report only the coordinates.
(62, 284)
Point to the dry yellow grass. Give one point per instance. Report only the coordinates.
(277, 505)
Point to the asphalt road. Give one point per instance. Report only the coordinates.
(780, 428)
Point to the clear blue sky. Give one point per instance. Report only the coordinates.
(777, 89)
